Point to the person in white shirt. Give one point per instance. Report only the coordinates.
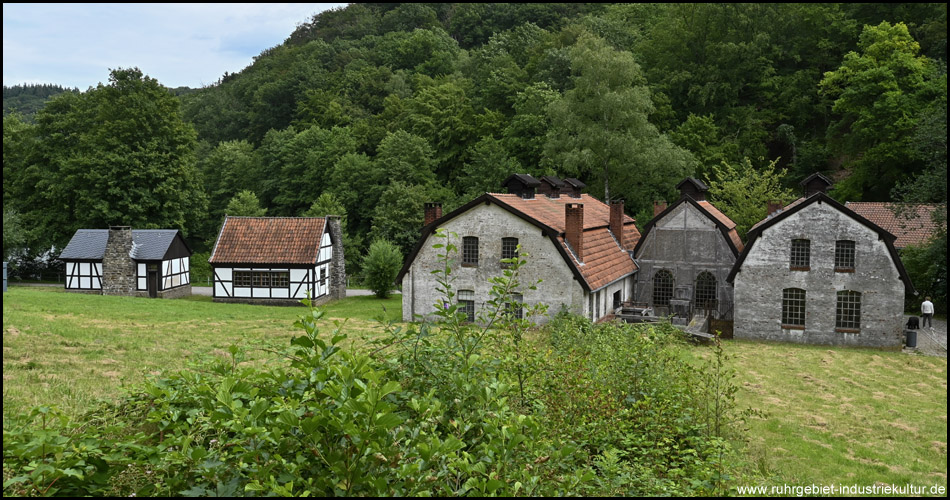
(927, 311)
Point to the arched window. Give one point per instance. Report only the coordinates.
(848, 310)
(705, 292)
(662, 287)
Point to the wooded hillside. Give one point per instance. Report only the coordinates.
(373, 109)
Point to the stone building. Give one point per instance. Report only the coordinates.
(816, 272)
(278, 260)
(123, 261)
(579, 246)
(685, 255)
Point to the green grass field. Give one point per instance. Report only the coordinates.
(69, 349)
(842, 416)
(833, 415)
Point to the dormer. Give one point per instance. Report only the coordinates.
(815, 183)
(522, 185)
(551, 186)
(692, 187)
(574, 187)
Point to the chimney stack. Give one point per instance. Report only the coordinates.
(773, 206)
(118, 269)
(574, 228)
(658, 207)
(433, 211)
(616, 220)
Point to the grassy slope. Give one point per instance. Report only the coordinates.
(842, 416)
(71, 349)
(835, 416)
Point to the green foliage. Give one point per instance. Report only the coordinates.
(381, 264)
(601, 128)
(200, 269)
(14, 234)
(878, 95)
(245, 204)
(743, 192)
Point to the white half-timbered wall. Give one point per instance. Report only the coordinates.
(83, 275)
(175, 273)
(315, 280)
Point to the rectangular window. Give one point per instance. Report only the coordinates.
(469, 251)
(262, 279)
(844, 256)
(515, 309)
(323, 277)
(509, 250)
(801, 255)
(467, 304)
(848, 312)
(793, 308)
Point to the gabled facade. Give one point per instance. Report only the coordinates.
(278, 260)
(123, 261)
(816, 272)
(579, 246)
(685, 255)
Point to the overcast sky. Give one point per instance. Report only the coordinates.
(75, 45)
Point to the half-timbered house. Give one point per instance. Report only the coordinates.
(278, 260)
(685, 254)
(123, 261)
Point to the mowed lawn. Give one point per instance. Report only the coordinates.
(842, 416)
(69, 350)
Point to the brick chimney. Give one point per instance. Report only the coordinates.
(658, 207)
(433, 211)
(574, 228)
(773, 206)
(616, 220)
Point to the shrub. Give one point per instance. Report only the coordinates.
(381, 266)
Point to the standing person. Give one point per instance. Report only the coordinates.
(927, 311)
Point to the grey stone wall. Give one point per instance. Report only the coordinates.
(765, 273)
(490, 224)
(118, 270)
(685, 242)
(337, 261)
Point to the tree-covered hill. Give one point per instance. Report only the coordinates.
(379, 108)
(29, 98)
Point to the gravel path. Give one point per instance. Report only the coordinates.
(932, 341)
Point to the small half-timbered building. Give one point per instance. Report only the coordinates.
(123, 261)
(278, 260)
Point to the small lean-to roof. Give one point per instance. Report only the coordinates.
(821, 197)
(913, 227)
(147, 244)
(726, 226)
(268, 240)
(605, 260)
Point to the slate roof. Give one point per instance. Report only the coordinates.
(268, 240)
(605, 261)
(913, 227)
(147, 244)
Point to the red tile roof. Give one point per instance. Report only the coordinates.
(604, 259)
(912, 227)
(268, 240)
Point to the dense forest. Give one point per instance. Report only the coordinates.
(373, 109)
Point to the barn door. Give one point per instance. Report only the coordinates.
(152, 280)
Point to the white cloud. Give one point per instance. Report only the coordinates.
(192, 45)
